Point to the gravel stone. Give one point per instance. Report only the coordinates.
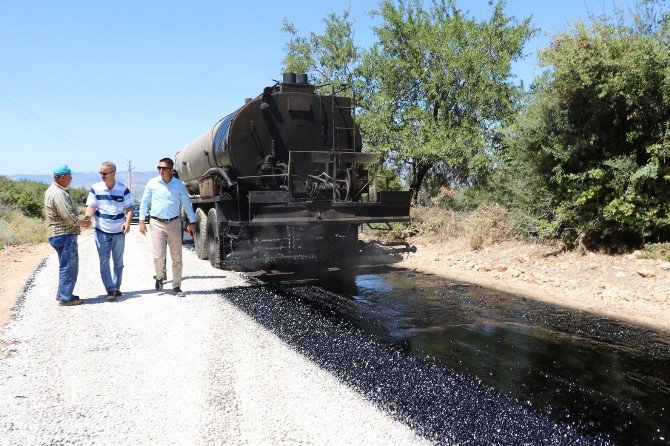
(153, 368)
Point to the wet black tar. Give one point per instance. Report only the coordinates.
(432, 361)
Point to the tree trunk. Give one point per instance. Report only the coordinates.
(419, 170)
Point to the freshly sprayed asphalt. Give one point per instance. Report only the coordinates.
(445, 406)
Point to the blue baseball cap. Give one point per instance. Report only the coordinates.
(63, 169)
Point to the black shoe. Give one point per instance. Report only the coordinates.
(178, 292)
(159, 284)
(72, 297)
(68, 303)
(111, 296)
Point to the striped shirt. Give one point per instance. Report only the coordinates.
(165, 199)
(60, 211)
(110, 206)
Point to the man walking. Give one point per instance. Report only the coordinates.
(165, 195)
(112, 205)
(62, 229)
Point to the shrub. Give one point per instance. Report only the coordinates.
(22, 209)
(79, 195)
(16, 228)
(28, 196)
(594, 140)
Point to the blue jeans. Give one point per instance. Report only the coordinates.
(110, 244)
(68, 264)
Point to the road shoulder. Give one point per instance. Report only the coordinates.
(17, 264)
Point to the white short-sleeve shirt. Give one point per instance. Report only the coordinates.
(110, 206)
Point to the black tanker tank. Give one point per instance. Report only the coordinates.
(283, 179)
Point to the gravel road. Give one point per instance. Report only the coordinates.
(156, 369)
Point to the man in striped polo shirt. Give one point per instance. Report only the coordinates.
(110, 204)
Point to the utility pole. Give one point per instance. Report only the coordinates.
(130, 176)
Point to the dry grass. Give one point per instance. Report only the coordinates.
(440, 222)
(486, 226)
(16, 228)
(656, 251)
(482, 227)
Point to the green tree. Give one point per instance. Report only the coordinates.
(594, 138)
(79, 195)
(328, 58)
(438, 85)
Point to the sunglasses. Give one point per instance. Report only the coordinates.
(163, 168)
(106, 173)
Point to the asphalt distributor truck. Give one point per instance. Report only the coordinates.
(282, 180)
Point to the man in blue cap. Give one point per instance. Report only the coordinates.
(63, 227)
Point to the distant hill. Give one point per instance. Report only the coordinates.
(83, 179)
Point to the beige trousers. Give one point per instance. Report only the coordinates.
(167, 233)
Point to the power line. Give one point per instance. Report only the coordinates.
(39, 119)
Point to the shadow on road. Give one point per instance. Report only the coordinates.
(102, 298)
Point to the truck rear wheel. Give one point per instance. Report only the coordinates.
(200, 239)
(216, 234)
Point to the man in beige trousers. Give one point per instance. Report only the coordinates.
(166, 195)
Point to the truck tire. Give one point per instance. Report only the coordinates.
(200, 239)
(217, 226)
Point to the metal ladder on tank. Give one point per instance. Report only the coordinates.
(336, 129)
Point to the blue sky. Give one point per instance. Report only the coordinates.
(86, 81)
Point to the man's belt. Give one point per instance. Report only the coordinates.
(164, 220)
